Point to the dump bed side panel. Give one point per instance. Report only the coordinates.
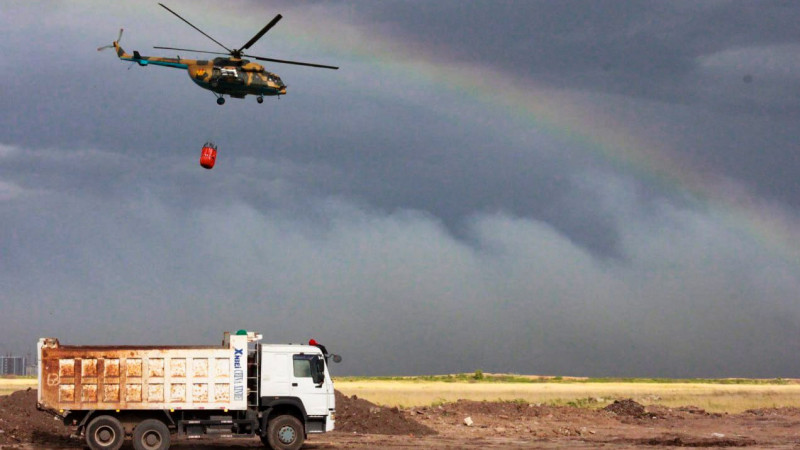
(83, 378)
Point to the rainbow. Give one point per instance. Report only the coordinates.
(558, 113)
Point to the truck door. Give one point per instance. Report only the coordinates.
(310, 383)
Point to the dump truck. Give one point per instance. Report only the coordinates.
(240, 389)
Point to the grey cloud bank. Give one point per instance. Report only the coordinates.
(397, 292)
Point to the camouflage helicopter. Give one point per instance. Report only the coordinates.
(230, 75)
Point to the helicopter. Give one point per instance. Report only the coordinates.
(228, 75)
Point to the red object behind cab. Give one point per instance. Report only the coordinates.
(208, 156)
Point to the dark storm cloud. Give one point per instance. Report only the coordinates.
(639, 49)
(722, 77)
(648, 49)
(645, 49)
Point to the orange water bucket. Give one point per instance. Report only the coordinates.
(208, 156)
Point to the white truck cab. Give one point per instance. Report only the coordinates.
(299, 372)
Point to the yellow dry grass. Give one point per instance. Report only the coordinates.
(730, 398)
(9, 385)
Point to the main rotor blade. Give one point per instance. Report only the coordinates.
(190, 50)
(296, 63)
(198, 29)
(261, 33)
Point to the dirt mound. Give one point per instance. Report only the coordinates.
(21, 422)
(500, 408)
(356, 415)
(691, 442)
(783, 411)
(692, 410)
(627, 408)
(505, 410)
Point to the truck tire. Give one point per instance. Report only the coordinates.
(105, 433)
(151, 434)
(284, 433)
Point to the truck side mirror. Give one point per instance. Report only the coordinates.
(337, 358)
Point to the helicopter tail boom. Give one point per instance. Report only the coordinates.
(146, 60)
(177, 63)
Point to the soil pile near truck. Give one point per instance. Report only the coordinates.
(22, 423)
(356, 415)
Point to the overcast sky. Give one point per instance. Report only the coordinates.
(587, 188)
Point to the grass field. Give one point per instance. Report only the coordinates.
(712, 395)
(9, 385)
(719, 396)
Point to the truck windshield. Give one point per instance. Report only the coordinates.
(309, 366)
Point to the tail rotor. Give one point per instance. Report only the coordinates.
(99, 49)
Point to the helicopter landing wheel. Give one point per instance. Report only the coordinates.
(220, 100)
(260, 99)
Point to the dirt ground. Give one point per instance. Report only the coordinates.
(360, 424)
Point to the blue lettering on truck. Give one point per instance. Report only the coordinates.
(238, 374)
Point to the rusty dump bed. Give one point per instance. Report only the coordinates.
(146, 377)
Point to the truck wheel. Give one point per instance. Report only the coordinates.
(105, 433)
(284, 433)
(151, 434)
